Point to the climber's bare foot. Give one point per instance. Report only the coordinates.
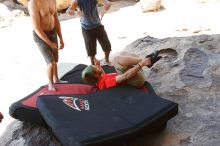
(61, 81)
(51, 87)
(108, 63)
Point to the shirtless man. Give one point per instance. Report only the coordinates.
(46, 27)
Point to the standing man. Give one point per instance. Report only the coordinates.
(92, 29)
(46, 26)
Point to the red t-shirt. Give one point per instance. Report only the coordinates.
(107, 81)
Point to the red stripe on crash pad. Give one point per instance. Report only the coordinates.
(144, 89)
(61, 89)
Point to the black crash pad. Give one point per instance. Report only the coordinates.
(104, 116)
(26, 109)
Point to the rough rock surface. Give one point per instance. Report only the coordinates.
(9, 11)
(22, 4)
(150, 5)
(188, 74)
(61, 4)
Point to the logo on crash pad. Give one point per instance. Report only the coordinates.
(76, 103)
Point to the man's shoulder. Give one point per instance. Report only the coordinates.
(38, 3)
(33, 3)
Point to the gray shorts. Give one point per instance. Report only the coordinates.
(48, 53)
(137, 81)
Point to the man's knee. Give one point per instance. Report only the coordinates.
(107, 52)
(115, 58)
(51, 64)
(122, 53)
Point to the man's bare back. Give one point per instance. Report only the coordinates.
(44, 11)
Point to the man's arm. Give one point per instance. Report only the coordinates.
(71, 10)
(106, 6)
(133, 71)
(58, 28)
(35, 18)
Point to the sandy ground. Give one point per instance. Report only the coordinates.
(23, 68)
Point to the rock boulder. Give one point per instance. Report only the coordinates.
(61, 4)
